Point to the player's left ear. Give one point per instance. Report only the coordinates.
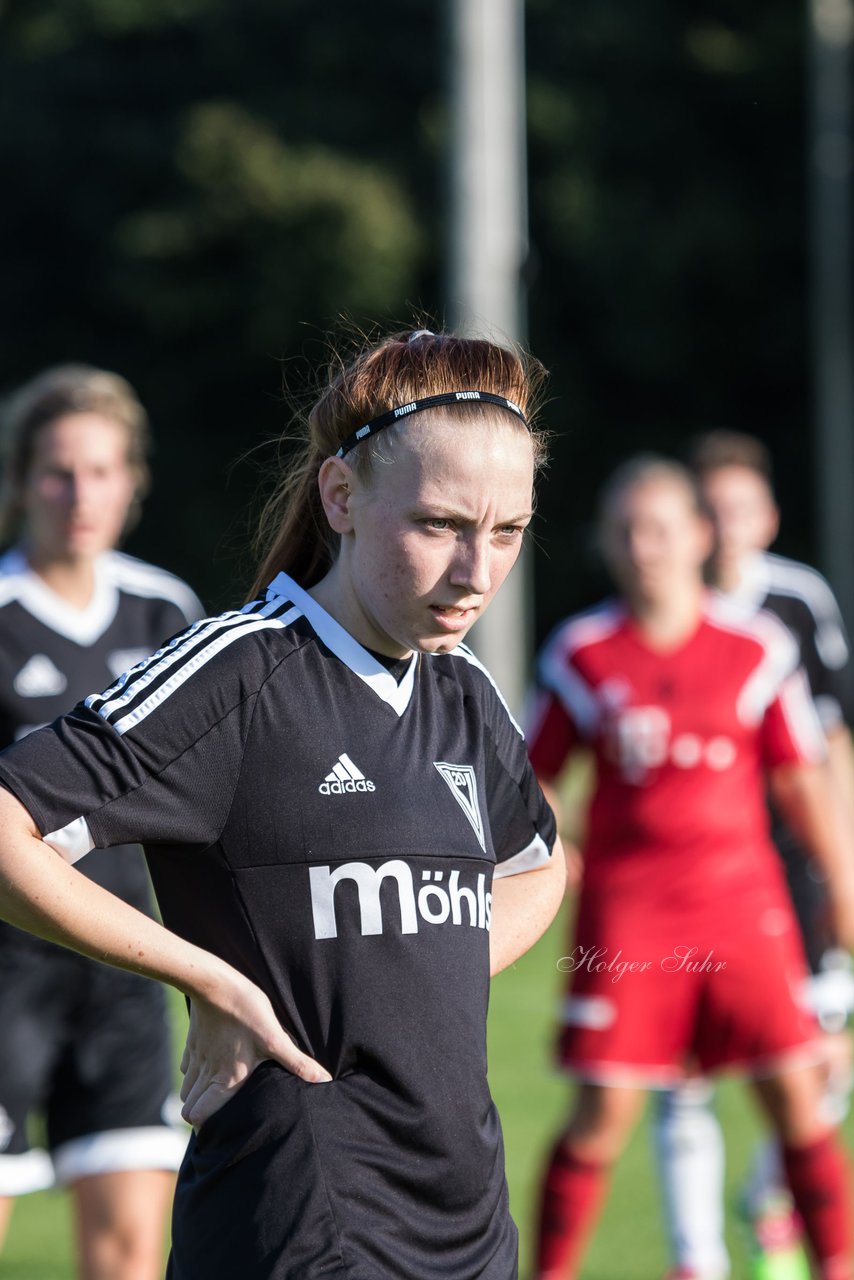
(335, 482)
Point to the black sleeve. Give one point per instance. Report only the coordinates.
(522, 824)
(826, 658)
(154, 759)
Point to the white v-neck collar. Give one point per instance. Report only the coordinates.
(83, 626)
(354, 655)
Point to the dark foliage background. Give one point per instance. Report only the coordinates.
(195, 190)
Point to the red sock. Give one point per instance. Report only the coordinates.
(820, 1182)
(572, 1193)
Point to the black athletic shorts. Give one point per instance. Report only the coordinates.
(87, 1046)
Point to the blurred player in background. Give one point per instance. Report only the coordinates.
(85, 1045)
(735, 476)
(687, 952)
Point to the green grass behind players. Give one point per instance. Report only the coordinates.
(532, 1099)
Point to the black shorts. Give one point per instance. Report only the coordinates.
(87, 1046)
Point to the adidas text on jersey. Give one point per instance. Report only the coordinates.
(344, 777)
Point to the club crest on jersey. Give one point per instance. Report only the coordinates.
(462, 784)
(344, 778)
(39, 678)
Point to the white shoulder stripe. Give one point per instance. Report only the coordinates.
(780, 655)
(801, 582)
(589, 627)
(801, 717)
(556, 669)
(132, 682)
(791, 578)
(188, 652)
(192, 665)
(141, 579)
(577, 696)
(463, 651)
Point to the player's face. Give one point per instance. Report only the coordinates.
(743, 511)
(435, 533)
(78, 489)
(656, 542)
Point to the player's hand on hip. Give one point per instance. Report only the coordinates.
(226, 1041)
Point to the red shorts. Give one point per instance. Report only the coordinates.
(656, 994)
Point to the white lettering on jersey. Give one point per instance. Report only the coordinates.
(344, 778)
(39, 678)
(640, 741)
(434, 903)
(462, 783)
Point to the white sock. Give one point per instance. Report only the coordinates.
(690, 1153)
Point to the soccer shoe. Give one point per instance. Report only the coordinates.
(776, 1250)
(784, 1264)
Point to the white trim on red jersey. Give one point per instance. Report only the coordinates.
(562, 678)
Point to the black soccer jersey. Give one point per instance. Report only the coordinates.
(801, 598)
(52, 655)
(333, 834)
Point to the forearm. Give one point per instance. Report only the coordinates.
(41, 893)
(523, 907)
(569, 836)
(805, 800)
(840, 764)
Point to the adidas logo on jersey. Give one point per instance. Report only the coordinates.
(39, 678)
(345, 777)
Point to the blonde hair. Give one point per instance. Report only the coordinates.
(56, 393)
(293, 535)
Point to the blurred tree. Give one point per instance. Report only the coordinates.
(194, 190)
(668, 211)
(190, 184)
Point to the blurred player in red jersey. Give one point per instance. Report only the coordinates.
(687, 953)
(735, 476)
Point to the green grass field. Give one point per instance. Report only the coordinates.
(532, 1100)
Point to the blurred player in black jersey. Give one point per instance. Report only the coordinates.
(345, 837)
(735, 474)
(85, 1045)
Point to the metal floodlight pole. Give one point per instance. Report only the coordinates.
(487, 250)
(831, 28)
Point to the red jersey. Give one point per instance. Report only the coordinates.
(682, 741)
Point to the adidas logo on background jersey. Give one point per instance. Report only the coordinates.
(345, 777)
(39, 678)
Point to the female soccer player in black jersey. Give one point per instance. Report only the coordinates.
(84, 1045)
(344, 834)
